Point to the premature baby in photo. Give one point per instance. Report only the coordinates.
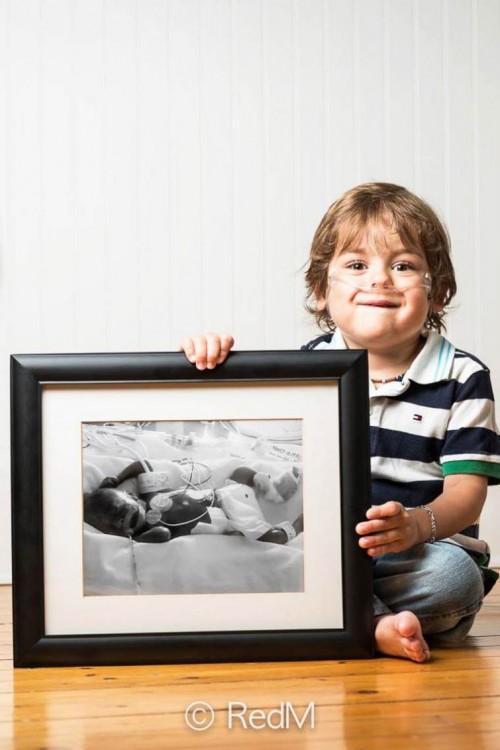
(169, 503)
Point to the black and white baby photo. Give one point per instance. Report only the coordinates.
(192, 507)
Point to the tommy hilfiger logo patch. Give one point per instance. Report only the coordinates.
(417, 417)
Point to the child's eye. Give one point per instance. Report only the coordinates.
(356, 265)
(403, 266)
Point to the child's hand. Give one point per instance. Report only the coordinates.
(109, 482)
(207, 351)
(390, 528)
(156, 535)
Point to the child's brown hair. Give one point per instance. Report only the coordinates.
(364, 207)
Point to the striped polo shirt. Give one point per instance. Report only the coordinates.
(438, 420)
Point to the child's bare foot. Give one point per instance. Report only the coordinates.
(401, 635)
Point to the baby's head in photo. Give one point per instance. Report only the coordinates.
(114, 511)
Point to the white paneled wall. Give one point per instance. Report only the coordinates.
(164, 163)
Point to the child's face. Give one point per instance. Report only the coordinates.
(391, 307)
(118, 513)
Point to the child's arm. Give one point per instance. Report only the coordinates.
(129, 472)
(392, 528)
(207, 351)
(156, 535)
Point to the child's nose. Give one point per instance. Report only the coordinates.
(381, 276)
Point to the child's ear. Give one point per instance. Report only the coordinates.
(320, 303)
(436, 306)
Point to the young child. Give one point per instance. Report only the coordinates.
(168, 505)
(379, 278)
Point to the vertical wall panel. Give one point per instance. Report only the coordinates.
(340, 98)
(310, 113)
(400, 92)
(487, 123)
(485, 313)
(4, 64)
(216, 171)
(248, 176)
(57, 149)
(22, 258)
(279, 173)
(120, 171)
(371, 91)
(91, 267)
(20, 216)
(430, 122)
(460, 162)
(185, 283)
(153, 175)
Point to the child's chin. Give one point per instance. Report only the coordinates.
(141, 521)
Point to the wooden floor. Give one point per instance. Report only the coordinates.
(452, 702)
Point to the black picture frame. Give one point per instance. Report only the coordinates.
(31, 373)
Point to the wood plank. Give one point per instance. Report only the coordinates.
(436, 723)
(452, 701)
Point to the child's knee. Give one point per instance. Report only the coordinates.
(431, 580)
(455, 574)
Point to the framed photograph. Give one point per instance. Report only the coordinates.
(163, 514)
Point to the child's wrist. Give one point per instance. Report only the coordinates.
(431, 522)
(425, 523)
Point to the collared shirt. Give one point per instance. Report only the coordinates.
(438, 420)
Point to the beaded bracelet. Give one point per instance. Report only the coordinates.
(429, 512)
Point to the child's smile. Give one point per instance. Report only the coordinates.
(383, 301)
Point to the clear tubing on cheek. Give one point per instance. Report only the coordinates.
(403, 286)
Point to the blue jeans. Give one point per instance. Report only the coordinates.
(438, 582)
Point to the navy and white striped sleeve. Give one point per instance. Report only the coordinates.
(472, 441)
